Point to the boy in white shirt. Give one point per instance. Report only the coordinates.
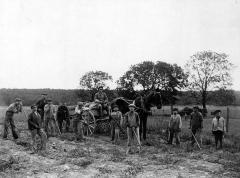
(175, 125)
(218, 127)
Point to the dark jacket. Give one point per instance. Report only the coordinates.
(34, 121)
(41, 103)
(196, 121)
(62, 112)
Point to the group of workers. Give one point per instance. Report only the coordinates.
(196, 126)
(43, 115)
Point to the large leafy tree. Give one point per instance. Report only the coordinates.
(208, 70)
(149, 75)
(94, 79)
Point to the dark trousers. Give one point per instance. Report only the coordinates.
(115, 131)
(9, 122)
(218, 137)
(172, 134)
(43, 137)
(143, 126)
(60, 123)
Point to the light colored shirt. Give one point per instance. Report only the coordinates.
(13, 108)
(175, 122)
(78, 110)
(49, 110)
(218, 124)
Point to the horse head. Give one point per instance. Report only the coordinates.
(154, 99)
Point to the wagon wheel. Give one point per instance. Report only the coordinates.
(88, 123)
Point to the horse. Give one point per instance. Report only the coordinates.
(143, 105)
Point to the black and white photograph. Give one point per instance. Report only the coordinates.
(119, 88)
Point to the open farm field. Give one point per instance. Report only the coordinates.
(98, 157)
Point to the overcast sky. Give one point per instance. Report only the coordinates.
(52, 43)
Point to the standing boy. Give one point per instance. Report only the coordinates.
(132, 123)
(196, 124)
(218, 128)
(36, 128)
(77, 125)
(15, 107)
(49, 118)
(175, 125)
(116, 123)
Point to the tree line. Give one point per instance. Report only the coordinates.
(205, 79)
(71, 97)
(204, 72)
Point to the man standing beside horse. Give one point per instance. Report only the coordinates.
(102, 100)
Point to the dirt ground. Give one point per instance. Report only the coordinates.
(98, 157)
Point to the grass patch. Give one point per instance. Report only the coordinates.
(77, 153)
(133, 170)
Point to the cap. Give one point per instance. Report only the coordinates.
(115, 106)
(18, 99)
(48, 100)
(217, 111)
(100, 87)
(175, 109)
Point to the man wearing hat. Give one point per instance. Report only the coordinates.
(116, 121)
(218, 128)
(132, 122)
(36, 128)
(101, 99)
(15, 107)
(77, 125)
(40, 105)
(196, 124)
(49, 118)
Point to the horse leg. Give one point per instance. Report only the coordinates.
(144, 120)
(60, 121)
(141, 127)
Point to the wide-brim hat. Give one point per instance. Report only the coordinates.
(217, 111)
(49, 100)
(132, 105)
(115, 106)
(196, 107)
(18, 99)
(45, 94)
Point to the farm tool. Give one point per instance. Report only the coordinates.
(195, 140)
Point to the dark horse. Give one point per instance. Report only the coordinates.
(143, 105)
